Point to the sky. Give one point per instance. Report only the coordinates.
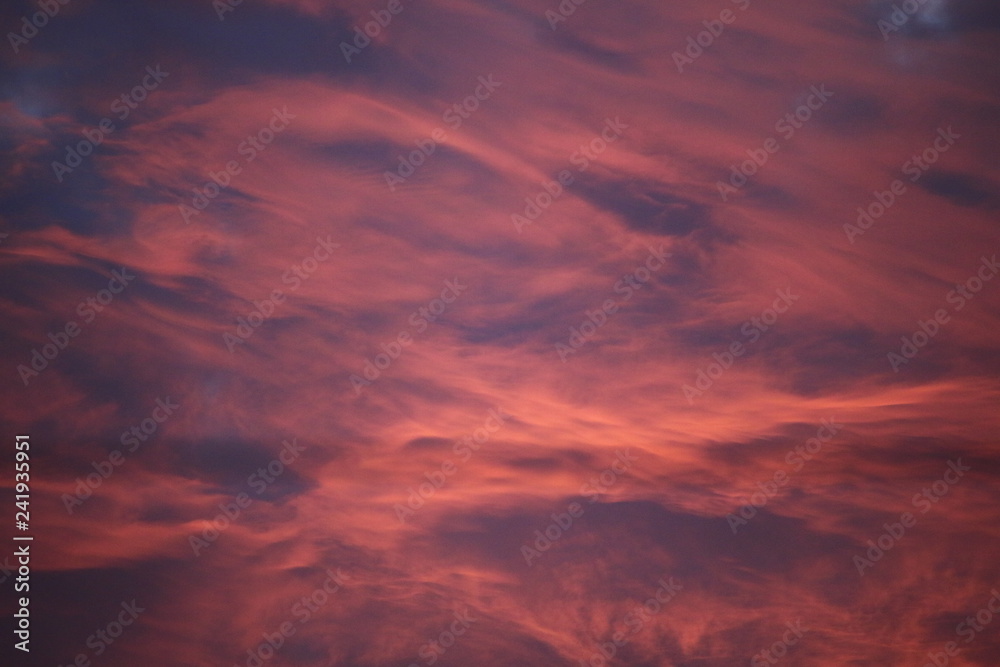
(398, 333)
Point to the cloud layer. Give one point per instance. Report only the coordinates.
(513, 317)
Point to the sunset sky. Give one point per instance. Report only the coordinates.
(489, 333)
